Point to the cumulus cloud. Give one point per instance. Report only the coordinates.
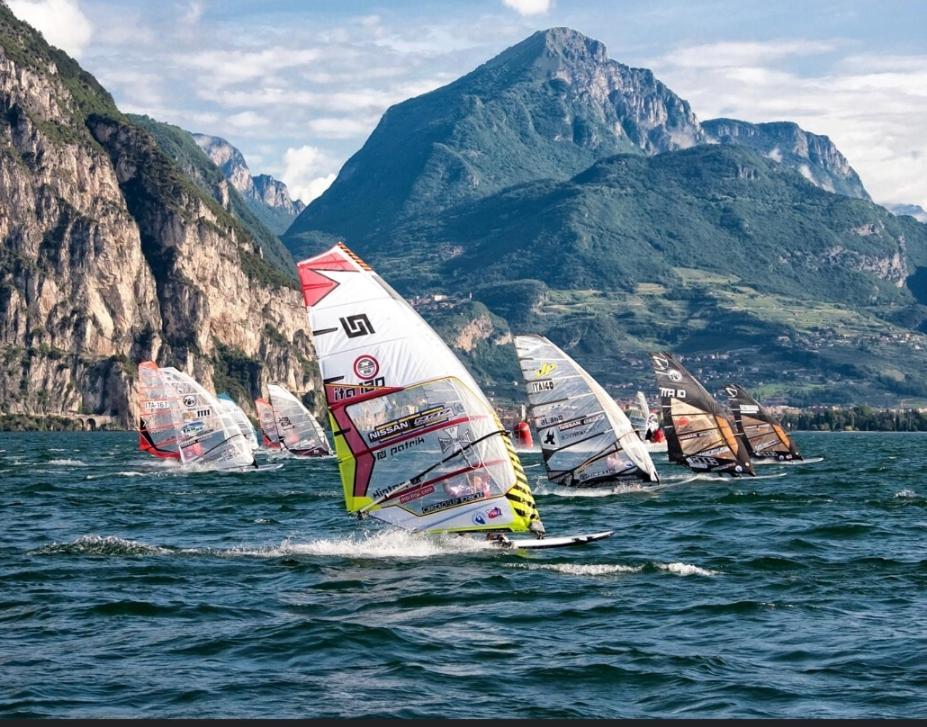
(61, 22)
(528, 7)
(871, 108)
(307, 172)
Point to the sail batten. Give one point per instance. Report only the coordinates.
(698, 432)
(418, 444)
(586, 439)
(760, 431)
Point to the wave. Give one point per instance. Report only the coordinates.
(906, 494)
(125, 473)
(67, 462)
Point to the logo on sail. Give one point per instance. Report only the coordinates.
(366, 367)
(357, 325)
(546, 369)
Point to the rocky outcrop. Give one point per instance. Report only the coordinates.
(109, 256)
(813, 156)
(267, 197)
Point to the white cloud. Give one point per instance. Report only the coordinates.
(61, 22)
(528, 7)
(871, 108)
(728, 55)
(226, 67)
(307, 172)
(336, 127)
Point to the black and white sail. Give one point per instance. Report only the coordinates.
(760, 431)
(585, 437)
(698, 432)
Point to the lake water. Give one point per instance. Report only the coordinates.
(129, 588)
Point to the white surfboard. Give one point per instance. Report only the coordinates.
(561, 542)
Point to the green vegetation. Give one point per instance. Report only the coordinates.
(179, 145)
(858, 418)
(236, 373)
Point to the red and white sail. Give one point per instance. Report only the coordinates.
(418, 443)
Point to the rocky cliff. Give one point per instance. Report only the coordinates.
(109, 255)
(815, 157)
(267, 197)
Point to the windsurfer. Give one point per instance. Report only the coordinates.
(476, 482)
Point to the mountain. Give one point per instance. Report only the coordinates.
(186, 153)
(711, 249)
(554, 190)
(814, 156)
(546, 108)
(913, 210)
(268, 198)
(110, 254)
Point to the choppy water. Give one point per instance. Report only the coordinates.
(130, 589)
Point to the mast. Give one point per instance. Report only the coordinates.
(698, 432)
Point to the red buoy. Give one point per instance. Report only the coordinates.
(523, 435)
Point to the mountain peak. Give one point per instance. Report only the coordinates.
(548, 51)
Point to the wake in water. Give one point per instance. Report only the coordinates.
(606, 569)
(787, 463)
(384, 544)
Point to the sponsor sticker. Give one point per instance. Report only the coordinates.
(410, 423)
(545, 369)
(444, 504)
(366, 367)
(481, 518)
(189, 401)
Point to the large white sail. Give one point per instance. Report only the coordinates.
(268, 423)
(207, 436)
(240, 418)
(418, 444)
(297, 429)
(158, 407)
(639, 415)
(585, 437)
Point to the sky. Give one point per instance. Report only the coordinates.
(298, 86)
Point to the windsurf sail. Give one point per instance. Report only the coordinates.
(206, 435)
(586, 438)
(157, 400)
(297, 429)
(698, 431)
(639, 415)
(268, 424)
(418, 444)
(240, 418)
(760, 431)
